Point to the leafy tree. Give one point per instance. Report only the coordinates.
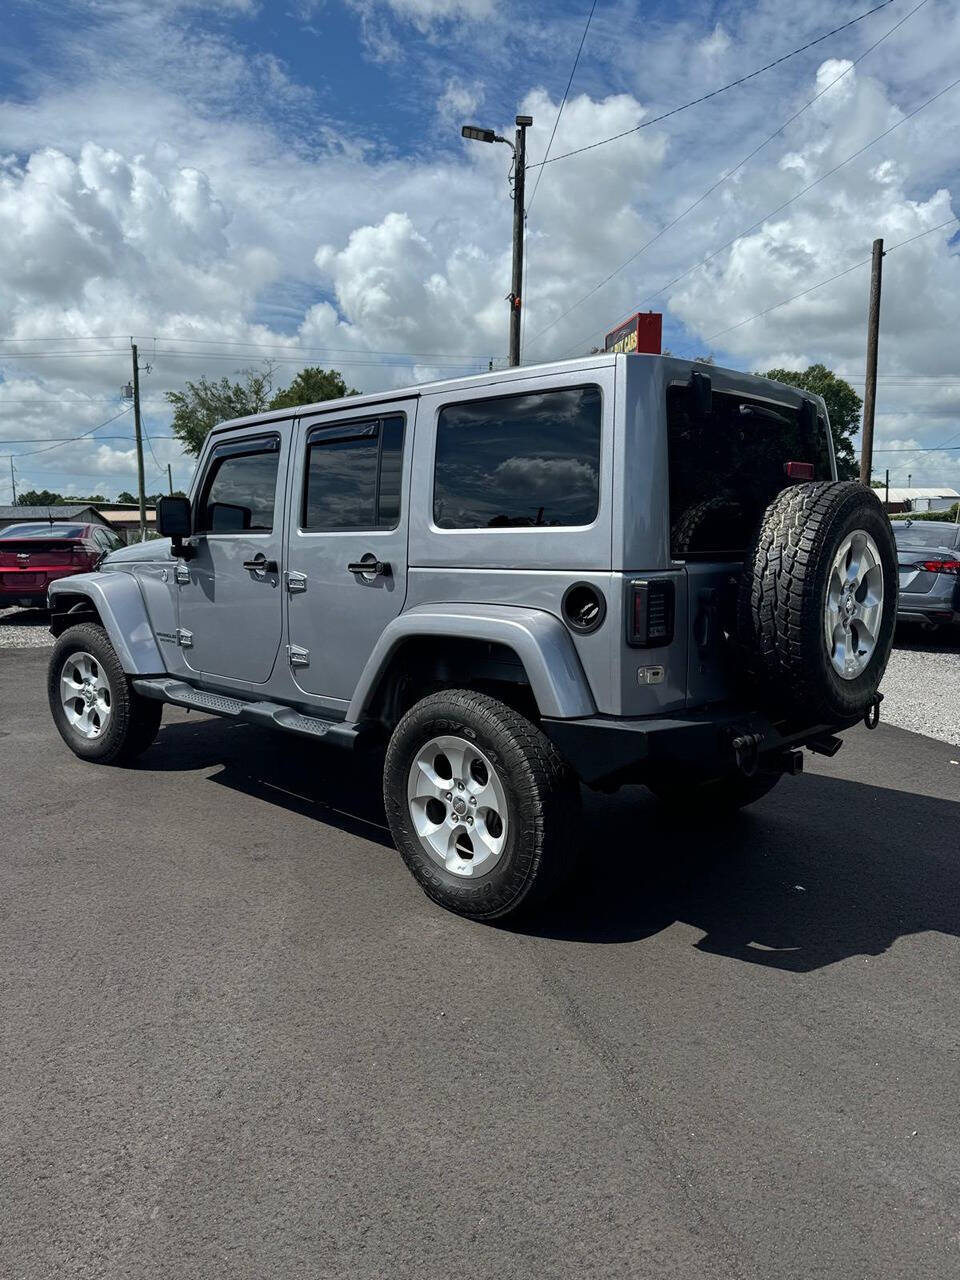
(125, 496)
(203, 404)
(843, 406)
(310, 386)
(38, 498)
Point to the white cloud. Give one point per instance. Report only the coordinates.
(716, 44)
(459, 101)
(168, 200)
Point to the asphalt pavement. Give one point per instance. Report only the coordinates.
(237, 1041)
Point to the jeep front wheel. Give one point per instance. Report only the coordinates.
(97, 711)
(481, 805)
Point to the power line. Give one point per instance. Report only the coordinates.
(546, 155)
(821, 283)
(729, 174)
(32, 452)
(780, 207)
(714, 92)
(237, 342)
(563, 100)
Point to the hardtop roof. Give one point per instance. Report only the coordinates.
(503, 377)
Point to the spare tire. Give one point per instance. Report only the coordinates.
(817, 601)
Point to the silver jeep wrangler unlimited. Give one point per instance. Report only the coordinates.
(613, 569)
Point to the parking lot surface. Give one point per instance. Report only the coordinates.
(237, 1041)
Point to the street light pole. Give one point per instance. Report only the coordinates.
(519, 148)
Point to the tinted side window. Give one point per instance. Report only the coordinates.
(353, 475)
(519, 461)
(241, 489)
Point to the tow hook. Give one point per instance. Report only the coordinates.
(746, 752)
(871, 717)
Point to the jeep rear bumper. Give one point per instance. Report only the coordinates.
(606, 750)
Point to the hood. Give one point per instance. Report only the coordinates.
(139, 552)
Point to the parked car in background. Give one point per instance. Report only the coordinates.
(929, 555)
(33, 555)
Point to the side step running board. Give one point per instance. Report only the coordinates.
(273, 715)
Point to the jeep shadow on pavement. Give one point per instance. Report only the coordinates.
(618, 569)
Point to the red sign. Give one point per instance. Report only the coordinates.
(641, 333)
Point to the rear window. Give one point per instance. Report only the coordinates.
(921, 533)
(727, 466)
(37, 531)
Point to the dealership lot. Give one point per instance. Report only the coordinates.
(238, 1040)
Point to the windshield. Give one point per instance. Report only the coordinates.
(920, 533)
(42, 531)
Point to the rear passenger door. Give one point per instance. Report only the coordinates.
(347, 566)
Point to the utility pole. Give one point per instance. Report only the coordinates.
(519, 148)
(888, 489)
(519, 183)
(870, 393)
(13, 481)
(170, 479)
(139, 435)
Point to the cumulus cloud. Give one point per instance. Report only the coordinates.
(176, 203)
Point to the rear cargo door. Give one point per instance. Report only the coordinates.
(730, 454)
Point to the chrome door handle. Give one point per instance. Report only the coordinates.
(260, 564)
(369, 566)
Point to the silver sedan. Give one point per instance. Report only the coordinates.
(929, 556)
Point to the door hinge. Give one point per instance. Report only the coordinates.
(298, 657)
(296, 582)
(181, 573)
(184, 637)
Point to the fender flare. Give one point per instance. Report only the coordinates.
(538, 638)
(119, 602)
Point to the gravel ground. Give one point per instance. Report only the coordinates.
(921, 689)
(24, 629)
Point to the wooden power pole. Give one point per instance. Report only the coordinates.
(139, 438)
(870, 392)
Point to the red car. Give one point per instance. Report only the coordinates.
(32, 555)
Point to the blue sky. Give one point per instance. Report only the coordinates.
(236, 180)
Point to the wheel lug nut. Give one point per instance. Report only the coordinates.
(449, 795)
(473, 799)
(459, 786)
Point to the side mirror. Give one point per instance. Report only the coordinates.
(174, 522)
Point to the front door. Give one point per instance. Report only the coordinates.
(230, 599)
(348, 544)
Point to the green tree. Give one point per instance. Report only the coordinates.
(203, 404)
(843, 406)
(310, 386)
(125, 496)
(39, 498)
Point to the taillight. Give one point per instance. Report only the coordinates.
(798, 470)
(650, 623)
(940, 566)
(82, 557)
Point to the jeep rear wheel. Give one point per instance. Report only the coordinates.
(481, 805)
(818, 600)
(95, 708)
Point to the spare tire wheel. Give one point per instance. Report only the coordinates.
(817, 602)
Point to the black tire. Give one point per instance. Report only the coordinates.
(718, 796)
(133, 720)
(782, 594)
(542, 794)
(715, 522)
